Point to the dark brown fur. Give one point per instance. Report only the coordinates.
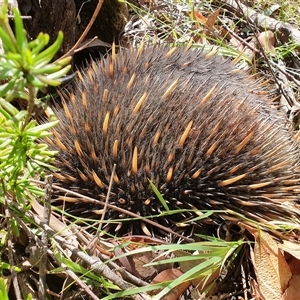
(238, 153)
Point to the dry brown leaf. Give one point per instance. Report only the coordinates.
(211, 20)
(267, 41)
(168, 275)
(201, 283)
(249, 51)
(293, 291)
(290, 247)
(135, 263)
(272, 271)
(236, 43)
(255, 291)
(292, 255)
(294, 264)
(140, 260)
(55, 223)
(199, 17)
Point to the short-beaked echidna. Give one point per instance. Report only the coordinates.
(203, 132)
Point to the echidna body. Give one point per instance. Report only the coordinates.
(203, 132)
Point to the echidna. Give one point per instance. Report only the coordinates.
(203, 132)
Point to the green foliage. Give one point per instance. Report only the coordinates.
(25, 68)
(3, 292)
(20, 154)
(26, 64)
(87, 276)
(200, 259)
